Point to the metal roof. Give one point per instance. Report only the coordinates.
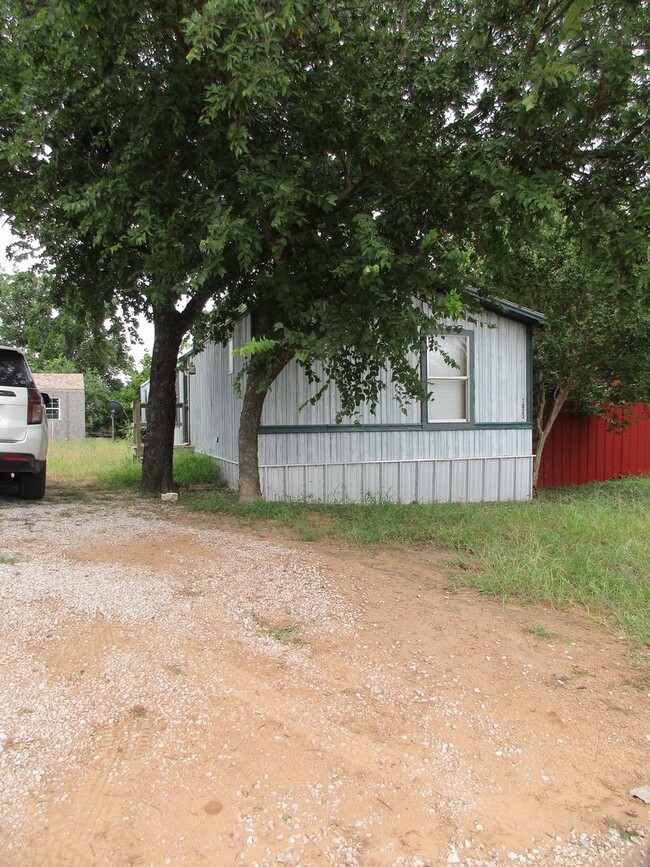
(507, 308)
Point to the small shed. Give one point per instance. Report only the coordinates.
(66, 404)
(473, 441)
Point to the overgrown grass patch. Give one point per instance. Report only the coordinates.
(191, 468)
(540, 631)
(586, 546)
(108, 465)
(93, 462)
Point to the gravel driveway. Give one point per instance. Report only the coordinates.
(177, 690)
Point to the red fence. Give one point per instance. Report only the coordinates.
(581, 449)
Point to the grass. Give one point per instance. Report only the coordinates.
(587, 547)
(630, 835)
(287, 634)
(91, 463)
(540, 631)
(108, 465)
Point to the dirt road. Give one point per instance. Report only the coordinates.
(174, 690)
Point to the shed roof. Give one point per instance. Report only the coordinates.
(61, 381)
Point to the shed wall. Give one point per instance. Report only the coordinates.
(71, 424)
(581, 449)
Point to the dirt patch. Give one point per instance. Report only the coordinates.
(178, 691)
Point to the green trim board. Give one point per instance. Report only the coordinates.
(388, 428)
(335, 428)
(507, 308)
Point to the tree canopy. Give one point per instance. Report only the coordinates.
(592, 353)
(57, 339)
(341, 170)
(395, 153)
(104, 162)
(29, 318)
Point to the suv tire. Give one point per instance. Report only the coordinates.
(32, 485)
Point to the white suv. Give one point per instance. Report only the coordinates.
(23, 426)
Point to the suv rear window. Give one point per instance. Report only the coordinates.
(13, 370)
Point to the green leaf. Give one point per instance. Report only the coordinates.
(256, 346)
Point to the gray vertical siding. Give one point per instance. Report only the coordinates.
(287, 403)
(501, 370)
(354, 446)
(408, 466)
(72, 410)
(214, 406)
(402, 463)
(500, 386)
(419, 481)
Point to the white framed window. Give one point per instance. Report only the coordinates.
(53, 408)
(449, 385)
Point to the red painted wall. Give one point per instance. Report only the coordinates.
(581, 449)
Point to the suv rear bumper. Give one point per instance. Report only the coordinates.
(19, 463)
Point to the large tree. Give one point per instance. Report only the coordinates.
(103, 160)
(390, 153)
(324, 164)
(592, 353)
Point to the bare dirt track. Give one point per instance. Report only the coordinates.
(177, 690)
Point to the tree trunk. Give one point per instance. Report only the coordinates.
(258, 381)
(157, 463)
(543, 425)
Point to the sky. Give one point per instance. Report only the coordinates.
(145, 328)
(5, 240)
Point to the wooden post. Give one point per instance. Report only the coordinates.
(138, 448)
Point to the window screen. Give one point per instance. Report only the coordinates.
(449, 385)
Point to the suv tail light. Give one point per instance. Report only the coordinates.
(34, 406)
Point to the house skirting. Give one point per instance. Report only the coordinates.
(461, 480)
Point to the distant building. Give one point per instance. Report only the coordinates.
(66, 404)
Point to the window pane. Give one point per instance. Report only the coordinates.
(455, 346)
(449, 401)
(52, 409)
